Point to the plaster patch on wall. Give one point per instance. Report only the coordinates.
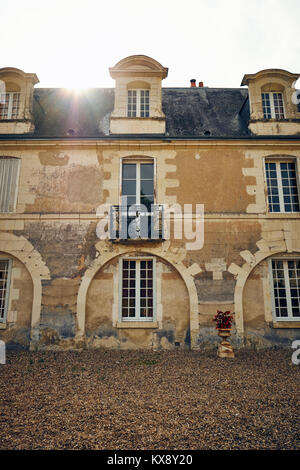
(257, 189)
(217, 266)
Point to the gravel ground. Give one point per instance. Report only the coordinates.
(137, 400)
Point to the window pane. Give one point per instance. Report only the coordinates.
(129, 171)
(278, 105)
(147, 170)
(289, 186)
(266, 105)
(144, 103)
(129, 187)
(147, 187)
(131, 103)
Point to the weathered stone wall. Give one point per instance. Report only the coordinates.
(59, 192)
(170, 328)
(260, 329)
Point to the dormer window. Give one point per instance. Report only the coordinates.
(138, 103)
(138, 96)
(273, 105)
(16, 101)
(9, 105)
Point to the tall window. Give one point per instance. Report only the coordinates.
(282, 186)
(9, 175)
(138, 103)
(273, 105)
(138, 187)
(9, 105)
(5, 271)
(137, 289)
(286, 289)
(138, 183)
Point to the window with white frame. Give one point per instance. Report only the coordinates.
(138, 188)
(5, 272)
(286, 289)
(282, 186)
(9, 105)
(137, 289)
(9, 176)
(138, 103)
(273, 105)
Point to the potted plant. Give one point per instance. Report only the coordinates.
(223, 325)
(224, 321)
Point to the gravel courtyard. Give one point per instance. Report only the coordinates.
(137, 400)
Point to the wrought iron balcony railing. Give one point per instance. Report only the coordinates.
(136, 223)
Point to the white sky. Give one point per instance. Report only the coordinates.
(71, 43)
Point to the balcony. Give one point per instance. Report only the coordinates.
(135, 223)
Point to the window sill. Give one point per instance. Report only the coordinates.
(139, 118)
(138, 324)
(286, 324)
(275, 120)
(3, 326)
(283, 215)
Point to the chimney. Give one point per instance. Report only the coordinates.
(201, 84)
(193, 83)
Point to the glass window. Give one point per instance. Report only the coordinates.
(9, 105)
(282, 186)
(138, 104)
(9, 173)
(273, 105)
(137, 290)
(286, 288)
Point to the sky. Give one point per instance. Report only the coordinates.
(71, 43)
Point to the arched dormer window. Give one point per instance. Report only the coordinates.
(16, 101)
(273, 108)
(138, 97)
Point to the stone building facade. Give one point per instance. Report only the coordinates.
(129, 216)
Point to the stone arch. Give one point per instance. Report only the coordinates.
(241, 273)
(174, 257)
(23, 250)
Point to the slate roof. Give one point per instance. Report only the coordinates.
(191, 113)
(199, 112)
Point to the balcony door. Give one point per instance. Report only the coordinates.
(138, 187)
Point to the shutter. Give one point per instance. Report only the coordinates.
(9, 172)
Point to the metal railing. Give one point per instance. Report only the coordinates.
(136, 223)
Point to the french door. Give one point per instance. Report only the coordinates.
(137, 198)
(137, 289)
